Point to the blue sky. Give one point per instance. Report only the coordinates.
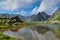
(28, 7)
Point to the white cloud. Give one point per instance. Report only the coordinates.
(9, 4)
(54, 10)
(16, 13)
(47, 5)
(23, 12)
(34, 11)
(51, 10)
(14, 4)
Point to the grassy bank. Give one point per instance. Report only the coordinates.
(15, 26)
(57, 32)
(5, 37)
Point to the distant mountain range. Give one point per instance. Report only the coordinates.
(12, 15)
(41, 16)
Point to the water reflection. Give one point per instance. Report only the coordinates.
(28, 34)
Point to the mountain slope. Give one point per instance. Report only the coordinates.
(55, 15)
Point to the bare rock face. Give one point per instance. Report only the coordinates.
(28, 34)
